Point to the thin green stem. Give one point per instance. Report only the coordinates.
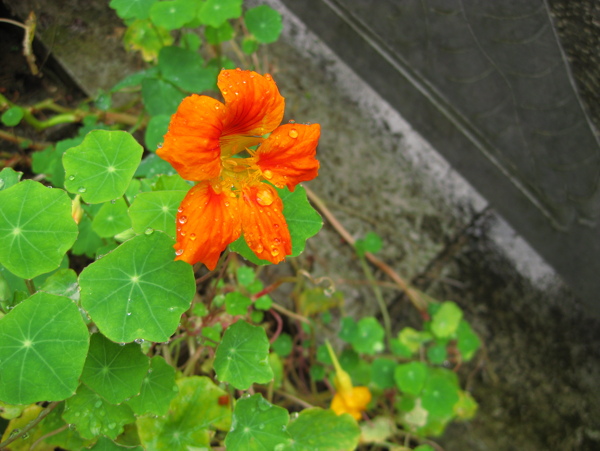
(30, 286)
(387, 323)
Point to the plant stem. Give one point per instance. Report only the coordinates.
(30, 286)
(387, 323)
(43, 414)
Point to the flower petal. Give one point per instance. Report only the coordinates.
(192, 144)
(206, 223)
(287, 156)
(254, 108)
(263, 223)
(352, 402)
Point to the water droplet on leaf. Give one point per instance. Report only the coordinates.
(71, 177)
(82, 189)
(149, 231)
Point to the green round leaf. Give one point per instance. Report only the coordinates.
(137, 291)
(193, 413)
(369, 336)
(439, 396)
(215, 12)
(370, 243)
(160, 97)
(264, 23)
(249, 45)
(158, 389)
(9, 177)
(12, 116)
(323, 430)
(155, 210)
(437, 353)
(114, 372)
(283, 345)
(132, 9)
(172, 14)
(92, 415)
(445, 321)
(36, 228)
(236, 303)
(257, 425)
(155, 131)
(148, 38)
(35, 339)
(468, 341)
(101, 167)
(217, 35)
(111, 219)
(242, 358)
(184, 68)
(410, 377)
(382, 372)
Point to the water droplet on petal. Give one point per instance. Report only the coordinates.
(264, 197)
(268, 174)
(275, 226)
(274, 252)
(182, 219)
(179, 252)
(179, 210)
(193, 236)
(259, 248)
(291, 121)
(293, 133)
(226, 203)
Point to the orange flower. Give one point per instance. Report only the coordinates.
(348, 399)
(213, 144)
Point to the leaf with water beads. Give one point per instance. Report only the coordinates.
(92, 415)
(137, 290)
(36, 228)
(101, 167)
(193, 414)
(242, 358)
(113, 371)
(158, 389)
(258, 425)
(323, 430)
(35, 337)
(155, 210)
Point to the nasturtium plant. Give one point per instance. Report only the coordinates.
(323, 429)
(35, 336)
(137, 291)
(157, 390)
(31, 244)
(264, 23)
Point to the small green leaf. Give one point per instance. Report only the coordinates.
(147, 37)
(160, 97)
(249, 45)
(370, 243)
(215, 12)
(191, 417)
(112, 219)
(184, 68)
(323, 430)
(264, 23)
(92, 415)
(155, 210)
(466, 407)
(155, 131)
(137, 290)
(172, 14)
(242, 358)
(257, 425)
(348, 329)
(468, 341)
(245, 275)
(382, 372)
(236, 303)
(9, 177)
(369, 336)
(410, 377)
(440, 394)
(106, 444)
(437, 353)
(191, 41)
(158, 389)
(283, 345)
(218, 35)
(12, 116)
(263, 303)
(63, 282)
(413, 339)
(114, 372)
(101, 167)
(445, 321)
(36, 228)
(132, 9)
(35, 337)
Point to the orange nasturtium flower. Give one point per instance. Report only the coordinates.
(348, 399)
(213, 144)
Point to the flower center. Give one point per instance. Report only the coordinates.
(238, 172)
